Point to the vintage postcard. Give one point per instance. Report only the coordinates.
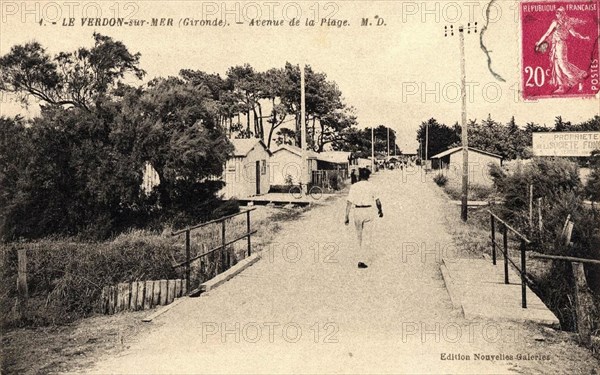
(293, 187)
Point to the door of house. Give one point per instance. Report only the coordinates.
(258, 177)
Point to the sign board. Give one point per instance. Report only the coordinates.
(565, 143)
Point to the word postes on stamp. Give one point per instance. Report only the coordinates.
(560, 49)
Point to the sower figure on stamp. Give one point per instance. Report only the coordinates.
(564, 74)
(362, 198)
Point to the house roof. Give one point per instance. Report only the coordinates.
(243, 146)
(296, 151)
(459, 148)
(337, 157)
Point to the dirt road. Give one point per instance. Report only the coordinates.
(307, 308)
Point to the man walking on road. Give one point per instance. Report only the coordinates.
(362, 197)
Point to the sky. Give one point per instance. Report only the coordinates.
(398, 74)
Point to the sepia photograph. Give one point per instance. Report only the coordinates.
(300, 187)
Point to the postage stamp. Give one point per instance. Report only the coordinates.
(560, 49)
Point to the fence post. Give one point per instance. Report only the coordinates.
(540, 219)
(22, 275)
(523, 276)
(493, 224)
(582, 303)
(531, 209)
(223, 246)
(187, 260)
(505, 243)
(248, 231)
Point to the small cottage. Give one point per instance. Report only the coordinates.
(479, 163)
(286, 165)
(334, 160)
(247, 171)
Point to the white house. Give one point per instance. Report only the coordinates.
(286, 164)
(247, 172)
(479, 163)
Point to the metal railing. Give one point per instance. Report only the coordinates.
(583, 299)
(524, 242)
(224, 243)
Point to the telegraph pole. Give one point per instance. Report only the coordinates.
(464, 132)
(373, 149)
(388, 142)
(426, 146)
(463, 96)
(304, 178)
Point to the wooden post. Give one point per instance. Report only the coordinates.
(183, 290)
(223, 257)
(103, 306)
(122, 297)
(163, 292)
(248, 231)
(134, 296)
(139, 304)
(112, 299)
(505, 244)
(564, 229)
(493, 225)
(583, 302)
(523, 276)
(149, 292)
(568, 233)
(540, 219)
(170, 291)
(187, 259)
(530, 208)
(155, 293)
(177, 288)
(22, 288)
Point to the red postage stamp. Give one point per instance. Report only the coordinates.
(560, 49)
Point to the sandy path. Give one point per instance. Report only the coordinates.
(309, 311)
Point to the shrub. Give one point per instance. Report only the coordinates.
(440, 179)
(556, 180)
(336, 180)
(592, 187)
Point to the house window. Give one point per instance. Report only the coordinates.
(263, 169)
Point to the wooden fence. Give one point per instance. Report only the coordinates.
(140, 295)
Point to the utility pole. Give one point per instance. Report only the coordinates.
(388, 142)
(304, 178)
(464, 130)
(426, 146)
(372, 149)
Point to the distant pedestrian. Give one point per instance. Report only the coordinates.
(362, 198)
(353, 177)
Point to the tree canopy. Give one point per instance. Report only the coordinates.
(79, 78)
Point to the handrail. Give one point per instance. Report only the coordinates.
(506, 254)
(177, 265)
(565, 258)
(527, 241)
(222, 247)
(212, 222)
